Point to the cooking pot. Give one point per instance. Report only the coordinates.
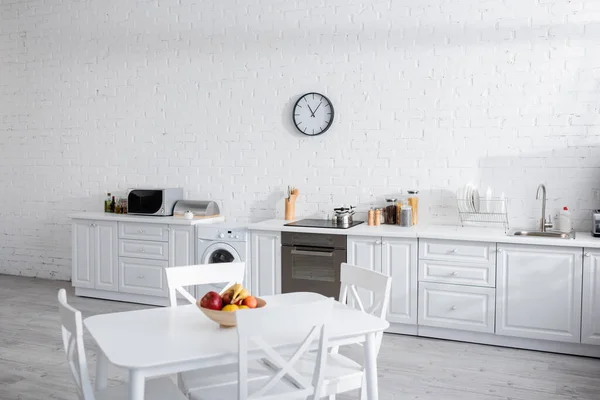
(343, 216)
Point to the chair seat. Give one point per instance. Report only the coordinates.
(156, 389)
(219, 376)
(220, 383)
(341, 373)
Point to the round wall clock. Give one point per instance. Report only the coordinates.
(313, 114)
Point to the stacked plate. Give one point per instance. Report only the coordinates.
(468, 199)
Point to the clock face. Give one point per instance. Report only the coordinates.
(313, 114)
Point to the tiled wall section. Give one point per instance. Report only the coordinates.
(429, 94)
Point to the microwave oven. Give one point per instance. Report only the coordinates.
(159, 202)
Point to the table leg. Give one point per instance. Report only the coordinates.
(371, 367)
(137, 383)
(101, 370)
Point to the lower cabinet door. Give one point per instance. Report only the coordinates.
(590, 319)
(466, 308)
(139, 276)
(539, 292)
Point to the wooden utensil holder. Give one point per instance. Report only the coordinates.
(290, 210)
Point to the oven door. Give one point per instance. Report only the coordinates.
(311, 269)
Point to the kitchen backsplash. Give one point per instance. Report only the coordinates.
(428, 95)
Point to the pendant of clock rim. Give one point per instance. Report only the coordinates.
(313, 114)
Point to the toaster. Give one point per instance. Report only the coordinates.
(596, 223)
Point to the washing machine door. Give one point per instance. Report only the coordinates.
(217, 253)
(220, 253)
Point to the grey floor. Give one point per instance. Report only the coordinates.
(33, 366)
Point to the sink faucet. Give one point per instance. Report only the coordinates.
(543, 223)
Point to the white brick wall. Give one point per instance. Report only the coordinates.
(429, 94)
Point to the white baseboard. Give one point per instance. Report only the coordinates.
(506, 341)
(118, 296)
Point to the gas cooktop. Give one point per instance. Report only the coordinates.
(322, 223)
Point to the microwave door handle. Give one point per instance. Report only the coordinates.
(312, 253)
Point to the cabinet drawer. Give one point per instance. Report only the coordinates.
(135, 230)
(142, 276)
(144, 249)
(454, 250)
(457, 273)
(456, 307)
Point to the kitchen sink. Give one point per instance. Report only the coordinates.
(546, 234)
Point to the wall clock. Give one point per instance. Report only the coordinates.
(313, 114)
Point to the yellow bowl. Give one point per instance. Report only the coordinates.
(226, 318)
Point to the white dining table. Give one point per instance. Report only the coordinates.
(161, 341)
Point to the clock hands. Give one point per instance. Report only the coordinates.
(312, 113)
(317, 109)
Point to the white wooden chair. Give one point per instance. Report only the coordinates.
(341, 373)
(178, 278)
(72, 334)
(308, 319)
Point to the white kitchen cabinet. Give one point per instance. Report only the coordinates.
(394, 257)
(590, 320)
(266, 262)
(539, 292)
(467, 308)
(399, 260)
(181, 245)
(95, 255)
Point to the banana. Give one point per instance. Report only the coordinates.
(237, 288)
(242, 295)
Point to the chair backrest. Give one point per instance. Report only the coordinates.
(72, 334)
(353, 278)
(308, 319)
(179, 277)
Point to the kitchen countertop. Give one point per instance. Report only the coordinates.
(101, 216)
(446, 232)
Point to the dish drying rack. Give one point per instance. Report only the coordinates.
(491, 211)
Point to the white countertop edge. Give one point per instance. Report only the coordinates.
(101, 216)
(442, 232)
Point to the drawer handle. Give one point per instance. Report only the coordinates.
(141, 231)
(454, 251)
(455, 273)
(453, 308)
(141, 249)
(140, 276)
(588, 254)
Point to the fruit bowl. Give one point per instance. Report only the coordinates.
(226, 318)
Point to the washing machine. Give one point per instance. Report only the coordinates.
(222, 243)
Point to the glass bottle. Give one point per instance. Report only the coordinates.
(390, 211)
(107, 203)
(112, 205)
(413, 201)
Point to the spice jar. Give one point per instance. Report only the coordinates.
(406, 216)
(371, 217)
(377, 217)
(390, 211)
(413, 201)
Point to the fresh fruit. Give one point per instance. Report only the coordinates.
(241, 295)
(227, 297)
(212, 300)
(230, 308)
(250, 302)
(242, 307)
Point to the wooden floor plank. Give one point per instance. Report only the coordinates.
(33, 364)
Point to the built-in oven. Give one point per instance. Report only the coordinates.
(310, 262)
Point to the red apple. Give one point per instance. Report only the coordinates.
(212, 300)
(227, 297)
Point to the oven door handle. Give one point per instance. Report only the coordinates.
(312, 253)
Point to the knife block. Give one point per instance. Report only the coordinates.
(290, 210)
